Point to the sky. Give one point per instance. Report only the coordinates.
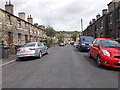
(62, 15)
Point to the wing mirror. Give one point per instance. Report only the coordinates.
(94, 45)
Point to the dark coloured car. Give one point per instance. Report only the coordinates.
(84, 43)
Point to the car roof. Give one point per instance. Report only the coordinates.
(32, 42)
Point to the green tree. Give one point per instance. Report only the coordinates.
(60, 38)
(50, 31)
(74, 35)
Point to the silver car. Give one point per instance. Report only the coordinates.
(34, 49)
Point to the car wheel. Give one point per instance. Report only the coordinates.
(89, 55)
(40, 54)
(80, 49)
(99, 61)
(18, 59)
(47, 52)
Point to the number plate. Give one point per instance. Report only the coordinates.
(25, 55)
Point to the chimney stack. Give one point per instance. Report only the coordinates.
(90, 23)
(22, 15)
(104, 11)
(98, 16)
(36, 24)
(9, 7)
(93, 20)
(30, 19)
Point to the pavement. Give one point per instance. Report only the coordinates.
(6, 61)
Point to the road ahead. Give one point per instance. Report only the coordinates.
(64, 67)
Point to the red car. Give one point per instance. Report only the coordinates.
(106, 51)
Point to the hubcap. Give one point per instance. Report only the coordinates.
(40, 54)
(98, 61)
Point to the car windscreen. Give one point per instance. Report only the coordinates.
(29, 45)
(87, 39)
(111, 43)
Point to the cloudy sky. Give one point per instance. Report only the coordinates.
(62, 15)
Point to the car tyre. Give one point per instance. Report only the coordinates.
(47, 52)
(99, 61)
(18, 59)
(80, 49)
(89, 55)
(40, 54)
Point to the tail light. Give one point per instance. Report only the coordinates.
(18, 50)
(31, 48)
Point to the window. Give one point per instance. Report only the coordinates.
(10, 37)
(18, 23)
(110, 18)
(25, 26)
(29, 45)
(31, 30)
(39, 44)
(110, 44)
(31, 38)
(8, 20)
(96, 42)
(119, 14)
(19, 37)
(26, 38)
(101, 24)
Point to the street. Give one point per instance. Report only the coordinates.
(63, 67)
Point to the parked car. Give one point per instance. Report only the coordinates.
(84, 43)
(106, 51)
(34, 49)
(61, 44)
(75, 44)
(72, 42)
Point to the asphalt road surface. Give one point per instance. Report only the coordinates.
(63, 67)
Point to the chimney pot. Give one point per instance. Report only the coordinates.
(30, 19)
(93, 20)
(104, 11)
(22, 15)
(9, 7)
(98, 16)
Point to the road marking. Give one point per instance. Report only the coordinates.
(7, 63)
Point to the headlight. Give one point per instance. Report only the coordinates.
(105, 52)
(82, 44)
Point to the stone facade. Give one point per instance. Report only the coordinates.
(107, 25)
(15, 30)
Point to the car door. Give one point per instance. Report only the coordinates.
(96, 49)
(43, 48)
(92, 48)
(40, 47)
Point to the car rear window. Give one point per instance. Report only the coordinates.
(87, 39)
(29, 45)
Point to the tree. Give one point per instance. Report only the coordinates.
(60, 38)
(74, 35)
(50, 31)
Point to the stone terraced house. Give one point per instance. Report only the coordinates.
(107, 25)
(15, 30)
